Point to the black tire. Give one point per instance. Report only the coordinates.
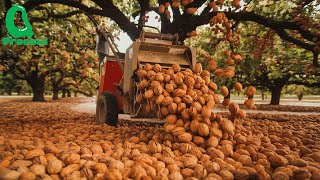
(107, 109)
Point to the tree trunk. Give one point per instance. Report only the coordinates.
(55, 95)
(63, 93)
(262, 95)
(300, 96)
(55, 91)
(37, 86)
(75, 94)
(275, 95)
(68, 93)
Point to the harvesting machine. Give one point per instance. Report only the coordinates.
(117, 93)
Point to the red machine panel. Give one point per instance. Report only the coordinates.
(111, 73)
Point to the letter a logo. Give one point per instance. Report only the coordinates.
(11, 27)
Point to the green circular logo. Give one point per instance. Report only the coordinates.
(14, 31)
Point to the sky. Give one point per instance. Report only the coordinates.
(125, 40)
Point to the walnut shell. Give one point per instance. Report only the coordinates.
(197, 68)
(227, 126)
(224, 91)
(38, 169)
(219, 73)
(206, 112)
(241, 114)
(301, 173)
(187, 99)
(166, 101)
(203, 129)
(277, 161)
(237, 58)
(227, 150)
(212, 64)
(99, 167)
(226, 102)
(185, 114)
(173, 108)
(151, 75)
(245, 160)
(189, 81)
(148, 94)
(156, 68)
(179, 93)
(147, 67)
(34, 153)
(216, 99)
(194, 126)
(230, 61)
(212, 86)
(54, 166)
(215, 131)
(225, 174)
(280, 175)
(198, 140)
(250, 91)
(205, 73)
(8, 174)
(69, 170)
(249, 103)
(212, 142)
(141, 73)
(159, 99)
(185, 137)
(169, 88)
(176, 68)
(72, 159)
(229, 74)
(238, 86)
(197, 106)
(178, 80)
(27, 176)
(177, 100)
(171, 119)
(154, 147)
(158, 90)
(164, 111)
(181, 107)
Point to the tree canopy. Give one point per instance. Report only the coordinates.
(296, 21)
(69, 60)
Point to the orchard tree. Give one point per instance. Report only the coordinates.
(39, 65)
(295, 21)
(269, 63)
(274, 63)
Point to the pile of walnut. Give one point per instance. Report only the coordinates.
(50, 141)
(185, 99)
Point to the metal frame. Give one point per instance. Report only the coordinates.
(136, 55)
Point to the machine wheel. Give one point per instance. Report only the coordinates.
(107, 109)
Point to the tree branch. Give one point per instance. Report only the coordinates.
(52, 15)
(285, 36)
(44, 74)
(175, 10)
(31, 4)
(144, 6)
(165, 22)
(192, 22)
(108, 10)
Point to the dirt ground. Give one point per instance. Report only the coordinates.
(51, 141)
